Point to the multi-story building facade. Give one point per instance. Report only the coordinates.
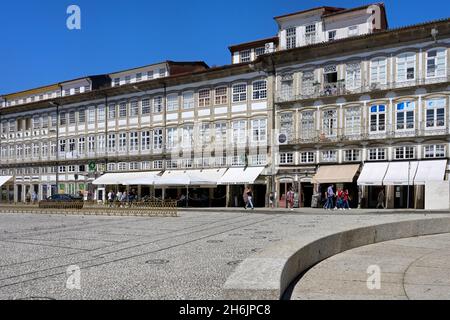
(335, 97)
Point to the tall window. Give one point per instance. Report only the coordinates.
(308, 83)
(172, 138)
(245, 56)
(134, 141)
(330, 75)
(287, 86)
(353, 76)
(157, 104)
(330, 123)
(287, 124)
(134, 109)
(112, 142)
(353, 121)
(221, 95)
(145, 106)
(239, 131)
(188, 100)
(157, 139)
(378, 71)
(112, 112)
(221, 133)
(436, 113)
(405, 115)
(204, 98)
(406, 67)
(259, 90)
(378, 118)
(291, 38)
(81, 146)
(72, 118)
(404, 153)
(101, 144)
(435, 151)
(307, 125)
(91, 145)
(122, 142)
(172, 102)
(62, 118)
(101, 114)
(205, 134)
(436, 63)
(145, 140)
(81, 116)
(310, 34)
(187, 136)
(239, 92)
(259, 130)
(377, 154)
(123, 110)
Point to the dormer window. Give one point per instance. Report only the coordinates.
(310, 34)
(260, 51)
(332, 35)
(352, 31)
(245, 56)
(291, 38)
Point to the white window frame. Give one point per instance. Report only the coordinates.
(439, 61)
(239, 92)
(405, 62)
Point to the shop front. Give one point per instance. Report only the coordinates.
(340, 177)
(237, 180)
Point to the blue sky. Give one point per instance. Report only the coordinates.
(37, 49)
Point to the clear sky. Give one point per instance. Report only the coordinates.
(36, 48)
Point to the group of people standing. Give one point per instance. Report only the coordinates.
(121, 197)
(337, 201)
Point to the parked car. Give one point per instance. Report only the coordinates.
(62, 201)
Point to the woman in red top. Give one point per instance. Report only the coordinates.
(346, 200)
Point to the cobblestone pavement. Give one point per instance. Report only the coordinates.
(189, 257)
(410, 269)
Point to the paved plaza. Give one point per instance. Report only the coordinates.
(411, 269)
(189, 257)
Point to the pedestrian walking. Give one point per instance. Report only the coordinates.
(249, 199)
(330, 197)
(245, 197)
(271, 200)
(290, 199)
(111, 197)
(347, 200)
(340, 200)
(380, 200)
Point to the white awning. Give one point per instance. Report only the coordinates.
(209, 177)
(430, 171)
(336, 174)
(373, 174)
(235, 176)
(125, 178)
(397, 173)
(4, 179)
